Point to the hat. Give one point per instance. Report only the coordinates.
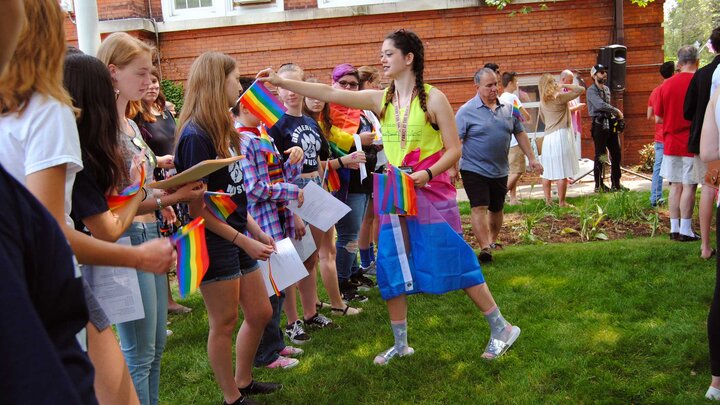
(597, 68)
(344, 70)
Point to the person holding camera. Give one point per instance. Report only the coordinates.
(605, 129)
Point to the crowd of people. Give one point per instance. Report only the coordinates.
(79, 130)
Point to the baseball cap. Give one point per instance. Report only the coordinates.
(597, 68)
(344, 70)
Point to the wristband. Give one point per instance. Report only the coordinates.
(429, 172)
(341, 163)
(144, 194)
(236, 235)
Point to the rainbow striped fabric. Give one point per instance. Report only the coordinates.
(267, 146)
(192, 256)
(394, 193)
(219, 204)
(263, 104)
(332, 179)
(516, 111)
(117, 201)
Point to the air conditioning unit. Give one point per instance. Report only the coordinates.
(249, 2)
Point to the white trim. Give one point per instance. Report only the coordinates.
(264, 14)
(351, 3)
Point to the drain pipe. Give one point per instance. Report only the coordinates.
(86, 16)
(619, 18)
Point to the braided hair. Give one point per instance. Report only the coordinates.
(408, 42)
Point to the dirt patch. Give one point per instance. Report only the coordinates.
(549, 229)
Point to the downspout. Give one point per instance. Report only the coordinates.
(86, 16)
(619, 19)
(157, 38)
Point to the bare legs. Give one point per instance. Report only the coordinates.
(512, 187)
(113, 384)
(707, 195)
(561, 188)
(486, 225)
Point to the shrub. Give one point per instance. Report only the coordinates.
(647, 158)
(173, 93)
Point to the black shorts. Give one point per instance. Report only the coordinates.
(227, 261)
(485, 191)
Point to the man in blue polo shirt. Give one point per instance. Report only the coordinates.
(486, 127)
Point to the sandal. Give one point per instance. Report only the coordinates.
(496, 347)
(179, 310)
(348, 310)
(496, 246)
(322, 305)
(384, 357)
(712, 254)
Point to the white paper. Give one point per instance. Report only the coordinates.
(305, 246)
(287, 268)
(358, 147)
(117, 290)
(320, 208)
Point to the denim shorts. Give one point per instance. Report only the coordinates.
(303, 181)
(227, 261)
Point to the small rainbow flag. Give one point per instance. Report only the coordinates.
(263, 104)
(272, 279)
(394, 193)
(192, 256)
(516, 111)
(117, 201)
(267, 146)
(332, 179)
(220, 204)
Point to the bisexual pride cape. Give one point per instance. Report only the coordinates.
(439, 260)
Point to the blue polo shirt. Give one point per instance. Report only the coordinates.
(486, 136)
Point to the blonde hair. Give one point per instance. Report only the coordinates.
(37, 63)
(291, 67)
(120, 49)
(548, 87)
(206, 102)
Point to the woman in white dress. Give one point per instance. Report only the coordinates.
(558, 155)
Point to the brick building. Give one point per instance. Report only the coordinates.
(459, 35)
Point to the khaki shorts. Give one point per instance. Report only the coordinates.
(516, 158)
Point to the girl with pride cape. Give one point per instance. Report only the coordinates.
(419, 130)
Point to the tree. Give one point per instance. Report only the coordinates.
(690, 22)
(500, 4)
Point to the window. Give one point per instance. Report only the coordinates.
(185, 4)
(350, 3)
(196, 9)
(529, 95)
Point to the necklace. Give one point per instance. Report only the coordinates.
(402, 124)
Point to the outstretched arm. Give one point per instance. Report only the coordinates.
(362, 100)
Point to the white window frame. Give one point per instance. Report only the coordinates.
(530, 81)
(220, 8)
(350, 3)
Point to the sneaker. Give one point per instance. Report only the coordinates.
(485, 255)
(296, 333)
(242, 401)
(283, 362)
(260, 388)
(290, 351)
(370, 270)
(320, 322)
(363, 283)
(353, 296)
(168, 332)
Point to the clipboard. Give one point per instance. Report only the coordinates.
(195, 173)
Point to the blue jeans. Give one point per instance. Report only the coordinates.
(656, 188)
(142, 341)
(347, 234)
(272, 342)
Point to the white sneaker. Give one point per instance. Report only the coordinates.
(713, 394)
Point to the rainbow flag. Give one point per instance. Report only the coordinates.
(394, 193)
(332, 179)
(272, 280)
(516, 111)
(267, 146)
(117, 201)
(404, 189)
(192, 256)
(220, 204)
(263, 104)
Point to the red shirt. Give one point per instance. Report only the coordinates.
(676, 129)
(652, 101)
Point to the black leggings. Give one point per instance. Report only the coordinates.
(713, 323)
(606, 139)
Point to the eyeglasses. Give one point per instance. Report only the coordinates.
(348, 85)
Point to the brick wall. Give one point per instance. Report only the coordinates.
(457, 42)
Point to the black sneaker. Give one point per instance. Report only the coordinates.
(242, 401)
(363, 283)
(260, 388)
(352, 295)
(485, 255)
(320, 322)
(296, 333)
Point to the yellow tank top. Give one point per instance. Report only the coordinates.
(420, 133)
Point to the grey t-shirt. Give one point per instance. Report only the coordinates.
(486, 136)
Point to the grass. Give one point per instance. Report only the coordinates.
(609, 322)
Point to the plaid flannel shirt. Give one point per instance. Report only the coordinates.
(264, 196)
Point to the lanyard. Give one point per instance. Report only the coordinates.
(402, 125)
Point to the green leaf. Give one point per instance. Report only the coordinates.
(601, 236)
(566, 231)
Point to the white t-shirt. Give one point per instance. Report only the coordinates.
(508, 99)
(43, 136)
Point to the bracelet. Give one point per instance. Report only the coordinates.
(159, 203)
(144, 194)
(340, 162)
(429, 172)
(236, 235)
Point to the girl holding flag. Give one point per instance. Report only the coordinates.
(232, 279)
(419, 133)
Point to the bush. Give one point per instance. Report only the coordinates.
(647, 158)
(173, 93)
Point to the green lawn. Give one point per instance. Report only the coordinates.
(603, 322)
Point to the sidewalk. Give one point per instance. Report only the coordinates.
(585, 186)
